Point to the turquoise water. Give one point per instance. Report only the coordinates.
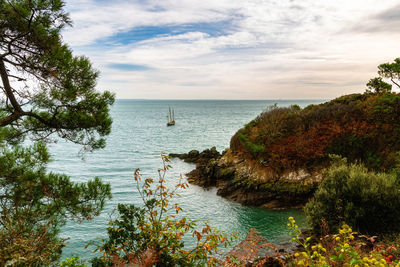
(139, 135)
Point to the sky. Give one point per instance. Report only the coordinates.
(234, 49)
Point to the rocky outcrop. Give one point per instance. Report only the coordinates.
(254, 248)
(195, 156)
(248, 182)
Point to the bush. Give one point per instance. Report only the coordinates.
(253, 149)
(344, 248)
(153, 235)
(367, 201)
(72, 262)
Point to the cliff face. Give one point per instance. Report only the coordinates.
(277, 160)
(247, 182)
(251, 183)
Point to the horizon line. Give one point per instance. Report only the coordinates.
(219, 99)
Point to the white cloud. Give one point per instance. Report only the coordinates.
(274, 49)
(120, 16)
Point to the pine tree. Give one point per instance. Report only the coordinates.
(46, 93)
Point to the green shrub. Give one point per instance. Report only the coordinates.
(368, 201)
(253, 149)
(73, 262)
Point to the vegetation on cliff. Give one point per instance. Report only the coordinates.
(360, 127)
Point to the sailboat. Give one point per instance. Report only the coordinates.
(171, 118)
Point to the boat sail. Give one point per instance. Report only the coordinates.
(171, 121)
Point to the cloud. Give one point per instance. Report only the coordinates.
(94, 21)
(256, 49)
(386, 21)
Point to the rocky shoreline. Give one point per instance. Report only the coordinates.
(226, 171)
(245, 181)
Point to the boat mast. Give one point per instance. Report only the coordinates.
(173, 115)
(169, 113)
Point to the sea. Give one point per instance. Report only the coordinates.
(139, 135)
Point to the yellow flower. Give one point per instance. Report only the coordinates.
(290, 218)
(337, 238)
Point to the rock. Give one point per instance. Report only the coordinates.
(248, 182)
(210, 153)
(254, 250)
(193, 154)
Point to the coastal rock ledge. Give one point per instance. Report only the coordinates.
(247, 181)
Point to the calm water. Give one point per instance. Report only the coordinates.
(139, 135)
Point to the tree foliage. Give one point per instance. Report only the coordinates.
(391, 71)
(378, 85)
(45, 91)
